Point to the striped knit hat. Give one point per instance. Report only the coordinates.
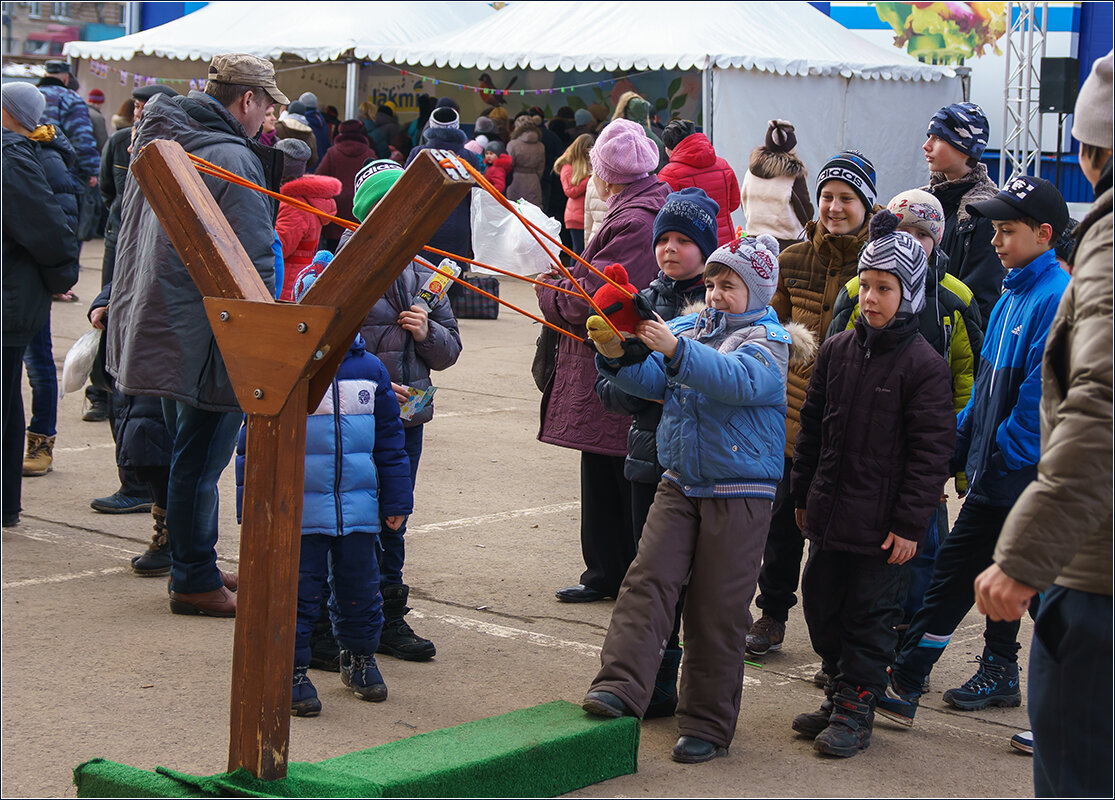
(854, 168)
(891, 250)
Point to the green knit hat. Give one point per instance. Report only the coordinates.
(372, 183)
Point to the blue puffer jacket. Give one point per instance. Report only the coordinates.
(999, 431)
(356, 467)
(723, 428)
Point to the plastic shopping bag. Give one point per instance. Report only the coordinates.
(500, 239)
(79, 361)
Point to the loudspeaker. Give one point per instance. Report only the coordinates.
(1060, 82)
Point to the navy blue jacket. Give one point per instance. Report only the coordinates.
(999, 431)
(455, 234)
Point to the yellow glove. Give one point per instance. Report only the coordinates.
(605, 339)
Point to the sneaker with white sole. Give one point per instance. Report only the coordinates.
(1023, 742)
(765, 636)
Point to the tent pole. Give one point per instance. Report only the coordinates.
(706, 101)
(352, 86)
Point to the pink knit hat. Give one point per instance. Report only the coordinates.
(623, 153)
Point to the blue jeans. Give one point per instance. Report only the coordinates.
(43, 376)
(392, 549)
(349, 562)
(203, 445)
(1070, 694)
(965, 554)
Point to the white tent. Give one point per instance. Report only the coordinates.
(760, 61)
(313, 32)
(320, 31)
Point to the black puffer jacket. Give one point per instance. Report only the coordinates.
(967, 239)
(58, 156)
(877, 431)
(39, 249)
(667, 297)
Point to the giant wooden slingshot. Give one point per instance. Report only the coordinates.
(281, 358)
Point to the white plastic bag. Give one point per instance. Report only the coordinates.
(500, 239)
(79, 361)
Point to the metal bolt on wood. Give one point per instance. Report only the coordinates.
(224, 316)
(258, 394)
(303, 327)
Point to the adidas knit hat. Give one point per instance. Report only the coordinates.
(891, 250)
(962, 125)
(854, 168)
(919, 209)
(755, 259)
(372, 183)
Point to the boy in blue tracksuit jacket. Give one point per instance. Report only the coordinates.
(998, 446)
(357, 472)
(722, 381)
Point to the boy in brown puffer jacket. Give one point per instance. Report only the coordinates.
(811, 276)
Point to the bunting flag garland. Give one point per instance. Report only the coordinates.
(521, 92)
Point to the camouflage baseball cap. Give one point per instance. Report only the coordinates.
(246, 70)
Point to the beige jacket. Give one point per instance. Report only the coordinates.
(595, 210)
(1060, 531)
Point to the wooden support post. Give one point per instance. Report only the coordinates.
(263, 647)
(281, 358)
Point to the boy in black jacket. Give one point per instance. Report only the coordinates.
(877, 430)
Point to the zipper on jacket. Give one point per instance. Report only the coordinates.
(999, 350)
(335, 388)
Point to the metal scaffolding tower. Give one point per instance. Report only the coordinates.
(1025, 47)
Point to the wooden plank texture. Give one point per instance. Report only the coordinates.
(270, 539)
(195, 224)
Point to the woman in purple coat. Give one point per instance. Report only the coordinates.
(623, 160)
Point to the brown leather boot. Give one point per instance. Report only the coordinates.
(218, 603)
(40, 455)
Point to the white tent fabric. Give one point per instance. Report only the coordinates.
(320, 31)
(787, 38)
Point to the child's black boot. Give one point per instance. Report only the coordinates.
(664, 699)
(849, 728)
(397, 638)
(812, 723)
(303, 695)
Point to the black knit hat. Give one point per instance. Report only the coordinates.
(852, 167)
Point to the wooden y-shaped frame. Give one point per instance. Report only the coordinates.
(281, 358)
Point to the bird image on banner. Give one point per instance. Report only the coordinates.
(493, 98)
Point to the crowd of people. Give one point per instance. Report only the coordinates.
(801, 379)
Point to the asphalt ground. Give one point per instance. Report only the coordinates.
(95, 665)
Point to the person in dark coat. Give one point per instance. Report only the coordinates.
(572, 415)
(40, 257)
(57, 156)
(444, 133)
(161, 343)
(350, 151)
(870, 462)
(322, 139)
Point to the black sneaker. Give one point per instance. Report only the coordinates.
(94, 410)
(994, 684)
(765, 636)
(120, 503)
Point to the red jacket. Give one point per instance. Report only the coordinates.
(694, 163)
(499, 171)
(300, 231)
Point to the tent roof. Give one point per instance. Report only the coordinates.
(788, 38)
(321, 31)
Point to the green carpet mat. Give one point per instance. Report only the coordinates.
(542, 751)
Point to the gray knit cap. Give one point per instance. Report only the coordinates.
(24, 102)
(891, 250)
(755, 260)
(1091, 120)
